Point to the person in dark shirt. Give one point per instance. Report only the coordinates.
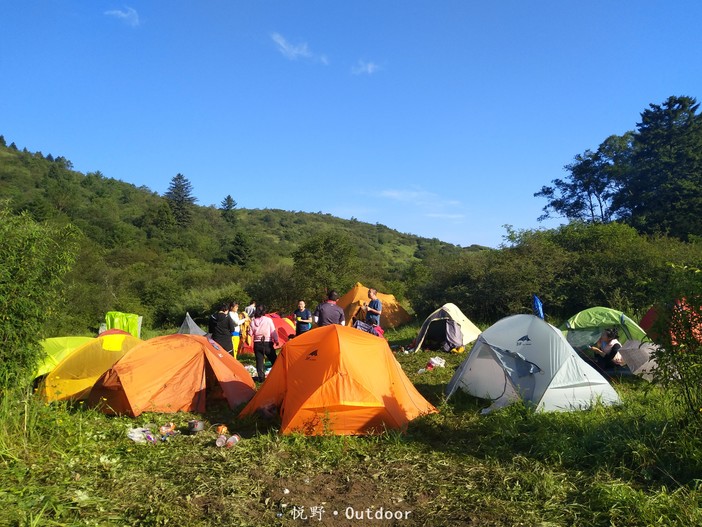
(303, 318)
(221, 327)
(328, 312)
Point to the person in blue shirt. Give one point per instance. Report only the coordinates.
(303, 318)
(373, 308)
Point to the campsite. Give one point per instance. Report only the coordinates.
(495, 396)
(610, 465)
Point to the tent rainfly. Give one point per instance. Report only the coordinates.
(338, 380)
(169, 374)
(75, 375)
(55, 350)
(524, 357)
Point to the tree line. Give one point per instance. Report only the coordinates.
(633, 208)
(161, 256)
(649, 178)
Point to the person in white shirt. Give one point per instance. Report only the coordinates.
(238, 319)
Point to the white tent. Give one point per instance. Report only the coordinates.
(445, 329)
(523, 357)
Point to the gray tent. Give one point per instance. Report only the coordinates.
(523, 357)
(189, 327)
(639, 357)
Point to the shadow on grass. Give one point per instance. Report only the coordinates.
(643, 438)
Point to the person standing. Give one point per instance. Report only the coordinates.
(262, 331)
(238, 319)
(303, 318)
(373, 308)
(250, 310)
(328, 312)
(221, 327)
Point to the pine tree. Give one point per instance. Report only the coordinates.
(180, 199)
(228, 208)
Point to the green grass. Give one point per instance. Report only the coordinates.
(636, 464)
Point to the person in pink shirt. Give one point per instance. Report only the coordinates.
(264, 336)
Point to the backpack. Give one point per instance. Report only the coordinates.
(373, 330)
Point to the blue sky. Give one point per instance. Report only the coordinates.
(436, 118)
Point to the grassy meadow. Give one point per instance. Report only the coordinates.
(638, 464)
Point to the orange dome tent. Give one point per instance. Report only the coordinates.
(338, 380)
(393, 314)
(170, 374)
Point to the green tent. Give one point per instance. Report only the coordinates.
(584, 329)
(128, 322)
(55, 350)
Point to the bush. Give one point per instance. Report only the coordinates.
(680, 357)
(33, 259)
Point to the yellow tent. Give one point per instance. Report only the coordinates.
(56, 349)
(75, 375)
(446, 329)
(393, 314)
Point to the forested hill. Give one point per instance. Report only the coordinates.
(163, 255)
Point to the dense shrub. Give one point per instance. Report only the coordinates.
(33, 259)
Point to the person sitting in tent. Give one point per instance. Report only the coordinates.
(264, 335)
(607, 354)
(373, 308)
(221, 327)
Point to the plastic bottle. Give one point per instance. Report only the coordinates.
(233, 440)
